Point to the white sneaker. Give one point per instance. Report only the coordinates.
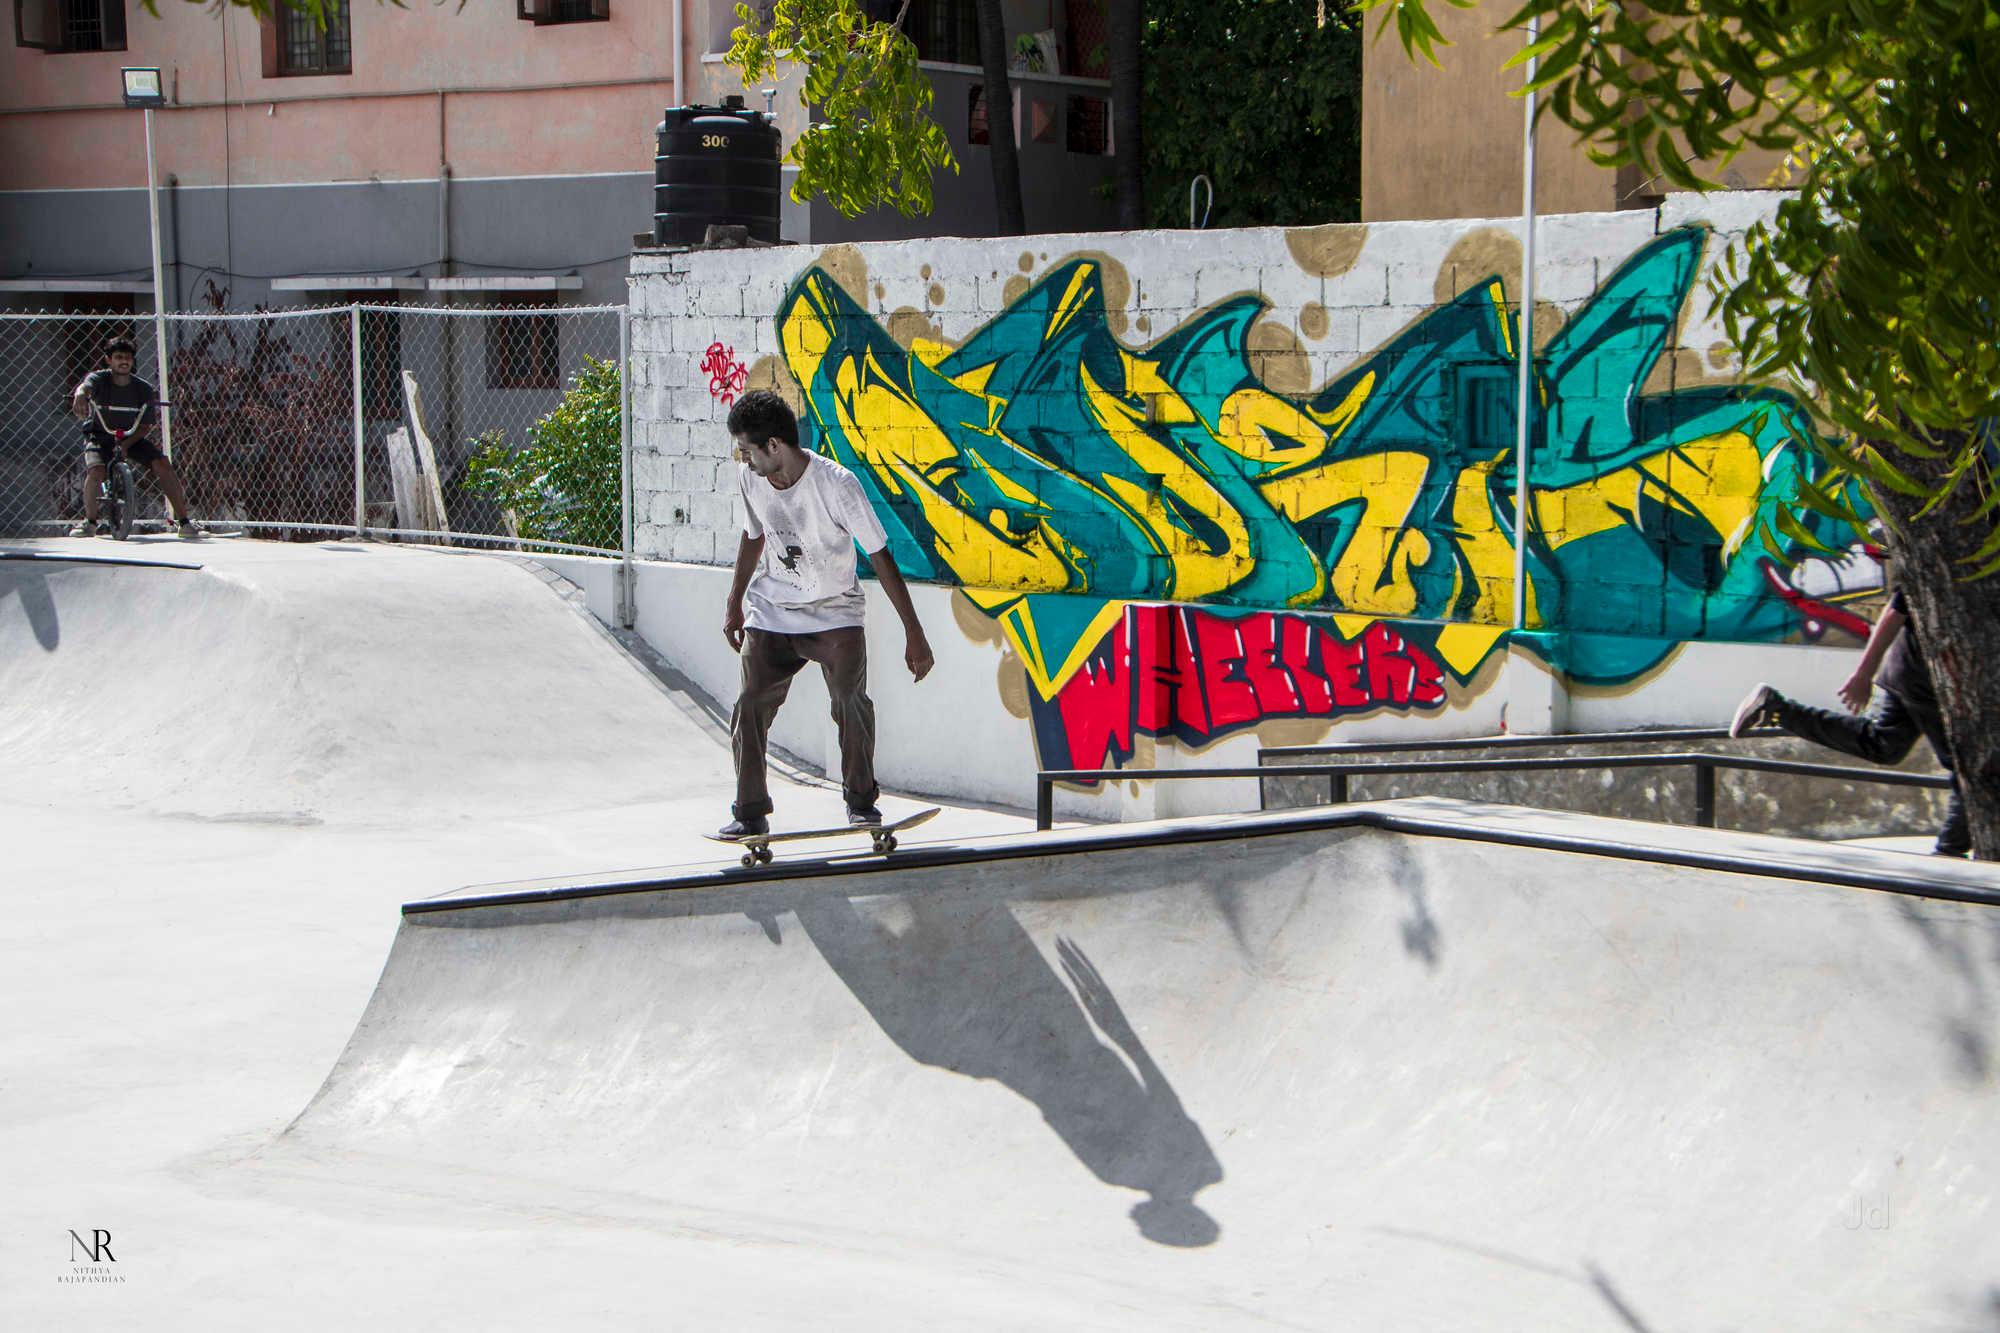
(83, 528)
(188, 528)
(1758, 709)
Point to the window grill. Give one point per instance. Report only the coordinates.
(306, 48)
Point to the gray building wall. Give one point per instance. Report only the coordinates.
(243, 237)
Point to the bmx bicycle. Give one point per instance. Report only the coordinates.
(118, 493)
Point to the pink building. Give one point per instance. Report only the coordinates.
(498, 151)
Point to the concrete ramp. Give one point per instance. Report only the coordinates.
(1279, 1071)
(294, 683)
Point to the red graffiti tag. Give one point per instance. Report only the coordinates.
(726, 375)
(1185, 672)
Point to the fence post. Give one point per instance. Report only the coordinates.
(627, 613)
(1045, 803)
(360, 425)
(1704, 794)
(1336, 788)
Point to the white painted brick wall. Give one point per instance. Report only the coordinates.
(684, 303)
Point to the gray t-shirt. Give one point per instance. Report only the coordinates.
(806, 581)
(1903, 668)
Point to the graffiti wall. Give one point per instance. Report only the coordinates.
(1203, 483)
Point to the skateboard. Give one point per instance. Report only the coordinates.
(757, 846)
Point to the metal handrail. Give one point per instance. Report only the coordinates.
(1514, 741)
(1337, 775)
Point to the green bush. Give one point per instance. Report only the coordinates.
(563, 487)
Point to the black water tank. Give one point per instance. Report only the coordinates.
(717, 165)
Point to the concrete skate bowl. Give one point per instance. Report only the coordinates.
(1277, 1070)
(286, 683)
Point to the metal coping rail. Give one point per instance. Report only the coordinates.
(1337, 775)
(1908, 875)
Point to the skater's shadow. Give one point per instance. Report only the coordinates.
(964, 988)
(32, 587)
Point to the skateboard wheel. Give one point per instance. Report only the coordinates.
(749, 858)
(764, 855)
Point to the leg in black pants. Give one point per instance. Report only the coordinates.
(769, 661)
(1884, 736)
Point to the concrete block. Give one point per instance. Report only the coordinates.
(1363, 285)
(1171, 289)
(1220, 280)
(693, 546)
(1723, 210)
(1411, 284)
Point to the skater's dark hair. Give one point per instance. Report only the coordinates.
(762, 415)
(125, 345)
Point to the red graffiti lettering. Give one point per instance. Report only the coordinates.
(726, 375)
(1184, 672)
(1276, 694)
(1219, 650)
(1295, 640)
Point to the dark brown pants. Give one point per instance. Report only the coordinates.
(769, 663)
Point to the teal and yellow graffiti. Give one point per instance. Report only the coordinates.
(1057, 474)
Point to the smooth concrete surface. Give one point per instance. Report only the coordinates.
(201, 875)
(1309, 1079)
(1401, 1077)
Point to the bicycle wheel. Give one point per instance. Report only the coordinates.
(123, 496)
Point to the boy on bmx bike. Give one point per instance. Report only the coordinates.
(119, 409)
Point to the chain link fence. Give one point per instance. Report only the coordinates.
(494, 426)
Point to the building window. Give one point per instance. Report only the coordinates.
(70, 25)
(545, 12)
(945, 31)
(521, 349)
(1089, 126)
(304, 47)
(977, 128)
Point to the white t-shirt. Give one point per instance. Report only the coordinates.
(806, 582)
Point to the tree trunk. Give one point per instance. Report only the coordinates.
(1000, 120)
(1128, 22)
(1957, 623)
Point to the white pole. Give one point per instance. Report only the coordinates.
(360, 425)
(627, 613)
(680, 56)
(159, 296)
(1526, 350)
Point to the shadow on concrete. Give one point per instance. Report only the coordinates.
(1590, 1275)
(32, 587)
(1613, 1298)
(1967, 1030)
(962, 987)
(1421, 938)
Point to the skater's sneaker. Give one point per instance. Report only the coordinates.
(864, 816)
(737, 829)
(104, 527)
(84, 528)
(1758, 709)
(188, 528)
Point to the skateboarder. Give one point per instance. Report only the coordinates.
(1906, 706)
(795, 599)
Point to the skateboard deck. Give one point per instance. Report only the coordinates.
(757, 846)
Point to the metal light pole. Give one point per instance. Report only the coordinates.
(1526, 350)
(144, 89)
